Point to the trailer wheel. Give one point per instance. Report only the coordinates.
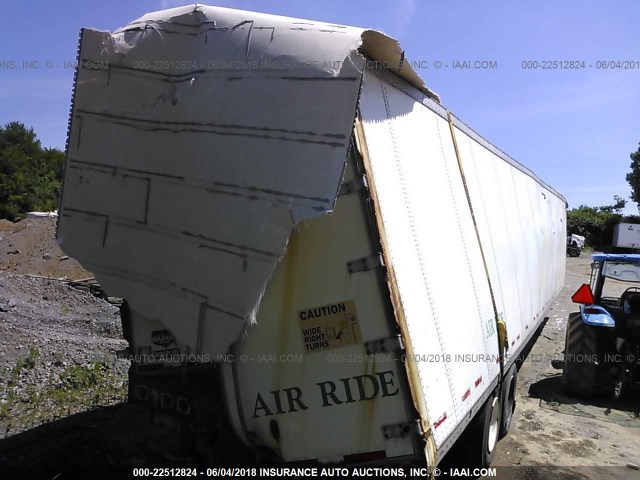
(491, 430)
(579, 373)
(508, 399)
(484, 434)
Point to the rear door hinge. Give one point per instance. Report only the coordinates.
(365, 263)
(402, 430)
(354, 185)
(384, 345)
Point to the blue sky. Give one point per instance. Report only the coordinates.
(574, 128)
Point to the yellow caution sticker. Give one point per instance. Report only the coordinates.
(329, 326)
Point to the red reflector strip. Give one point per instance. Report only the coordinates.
(466, 394)
(478, 381)
(591, 310)
(440, 421)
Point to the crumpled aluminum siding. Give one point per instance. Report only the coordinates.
(199, 137)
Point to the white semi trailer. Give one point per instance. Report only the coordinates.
(626, 235)
(314, 252)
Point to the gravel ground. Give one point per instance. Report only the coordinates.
(59, 370)
(58, 349)
(58, 342)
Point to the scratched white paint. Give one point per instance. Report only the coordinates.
(199, 137)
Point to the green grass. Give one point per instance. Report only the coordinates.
(80, 387)
(27, 363)
(87, 385)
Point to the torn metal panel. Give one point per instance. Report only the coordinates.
(390, 57)
(199, 137)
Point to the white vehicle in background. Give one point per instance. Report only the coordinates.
(271, 195)
(575, 245)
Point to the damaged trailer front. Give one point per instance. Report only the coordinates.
(285, 273)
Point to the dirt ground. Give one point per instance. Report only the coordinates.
(557, 437)
(63, 386)
(29, 247)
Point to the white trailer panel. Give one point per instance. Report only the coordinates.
(440, 276)
(521, 224)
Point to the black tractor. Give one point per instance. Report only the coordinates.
(602, 344)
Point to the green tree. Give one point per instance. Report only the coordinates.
(30, 176)
(617, 207)
(596, 223)
(633, 177)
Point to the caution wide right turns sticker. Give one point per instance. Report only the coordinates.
(329, 326)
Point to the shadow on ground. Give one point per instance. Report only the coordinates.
(623, 411)
(106, 443)
(82, 445)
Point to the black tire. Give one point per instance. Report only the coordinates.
(508, 399)
(580, 346)
(483, 434)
